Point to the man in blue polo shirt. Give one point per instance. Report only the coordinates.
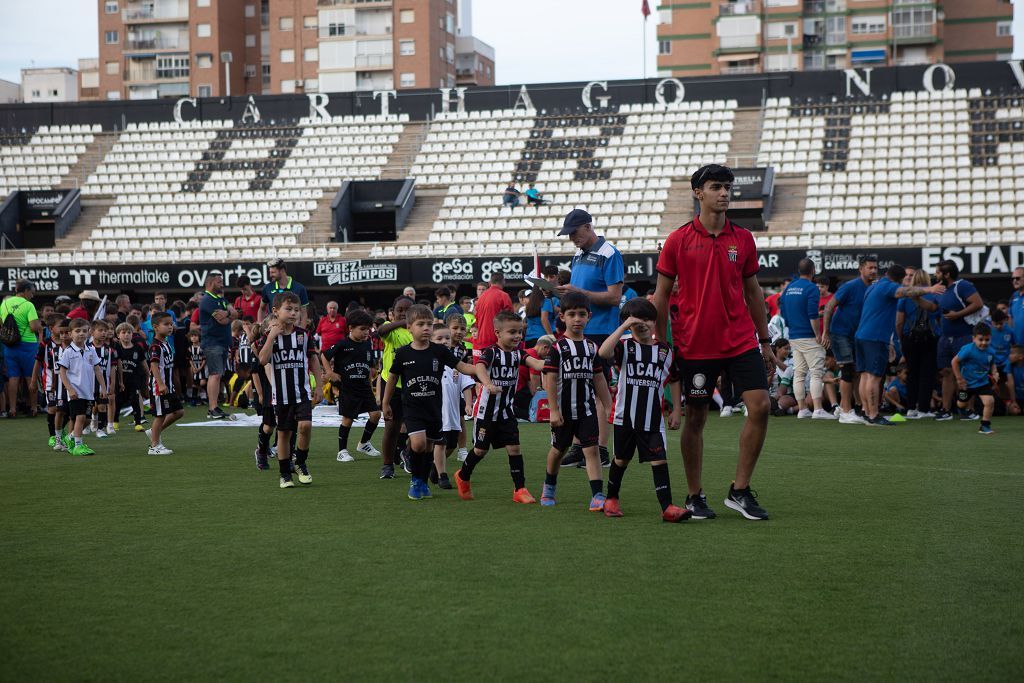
(960, 302)
(875, 333)
(799, 307)
(215, 316)
(597, 272)
(281, 281)
(1017, 306)
(839, 329)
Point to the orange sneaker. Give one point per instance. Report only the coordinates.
(523, 496)
(674, 513)
(611, 508)
(463, 486)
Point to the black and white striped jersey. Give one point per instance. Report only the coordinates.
(245, 353)
(103, 352)
(503, 368)
(50, 356)
(574, 364)
(196, 356)
(644, 369)
(289, 367)
(162, 353)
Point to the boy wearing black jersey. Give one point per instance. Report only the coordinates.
(261, 385)
(100, 341)
(496, 424)
(291, 354)
(197, 361)
(167, 407)
(572, 374)
(456, 323)
(352, 360)
(131, 360)
(644, 366)
(419, 365)
(46, 369)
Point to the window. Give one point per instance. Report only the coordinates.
(440, 54)
(265, 75)
(311, 85)
(113, 95)
(203, 30)
(204, 61)
(172, 66)
(780, 62)
(288, 86)
(110, 7)
(250, 40)
(449, 20)
(407, 80)
(780, 3)
(780, 30)
(664, 47)
(450, 53)
(1004, 29)
(205, 91)
(286, 23)
(202, 3)
(110, 37)
(407, 16)
(250, 11)
(310, 54)
(664, 16)
(113, 68)
(335, 29)
(913, 23)
(874, 23)
(287, 56)
(407, 48)
(35, 93)
(309, 22)
(250, 71)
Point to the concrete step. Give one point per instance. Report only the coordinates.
(746, 135)
(88, 162)
(92, 211)
(790, 199)
(403, 155)
(424, 213)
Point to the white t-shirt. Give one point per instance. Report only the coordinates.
(79, 364)
(784, 377)
(453, 383)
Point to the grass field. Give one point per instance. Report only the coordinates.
(891, 554)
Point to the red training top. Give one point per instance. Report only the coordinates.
(772, 302)
(526, 371)
(710, 317)
(249, 307)
(488, 304)
(331, 331)
(79, 312)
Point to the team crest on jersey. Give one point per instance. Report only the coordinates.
(662, 354)
(435, 365)
(734, 253)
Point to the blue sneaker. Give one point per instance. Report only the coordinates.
(415, 489)
(547, 496)
(597, 502)
(985, 429)
(425, 490)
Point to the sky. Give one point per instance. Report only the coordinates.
(536, 41)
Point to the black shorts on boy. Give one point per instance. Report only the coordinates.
(79, 406)
(289, 415)
(166, 404)
(649, 446)
(585, 429)
(498, 434)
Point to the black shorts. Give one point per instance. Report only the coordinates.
(451, 439)
(500, 434)
(746, 371)
(650, 446)
(965, 395)
(397, 410)
(585, 429)
(352, 406)
(51, 399)
(429, 425)
(289, 415)
(166, 404)
(79, 406)
(606, 367)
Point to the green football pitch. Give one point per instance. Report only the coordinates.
(890, 554)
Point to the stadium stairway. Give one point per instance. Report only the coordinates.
(746, 134)
(93, 209)
(790, 199)
(424, 213)
(404, 152)
(87, 164)
(678, 207)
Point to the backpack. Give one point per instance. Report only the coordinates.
(980, 315)
(921, 328)
(10, 334)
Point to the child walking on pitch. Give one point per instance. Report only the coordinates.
(975, 369)
(261, 384)
(290, 354)
(456, 323)
(644, 366)
(197, 360)
(167, 407)
(496, 424)
(419, 366)
(100, 342)
(395, 336)
(80, 374)
(352, 361)
(456, 389)
(132, 373)
(46, 361)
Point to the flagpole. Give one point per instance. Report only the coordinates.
(643, 47)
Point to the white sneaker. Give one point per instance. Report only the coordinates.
(822, 414)
(463, 454)
(60, 447)
(726, 411)
(926, 416)
(159, 449)
(100, 434)
(345, 456)
(149, 435)
(837, 411)
(368, 449)
(88, 429)
(804, 413)
(913, 415)
(851, 418)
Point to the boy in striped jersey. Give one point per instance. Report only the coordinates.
(456, 323)
(496, 424)
(101, 343)
(291, 354)
(572, 374)
(197, 361)
(167, 408)
(644, 366)
(46, 369)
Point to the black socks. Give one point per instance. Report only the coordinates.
(301, 455)
(368, 431)
(50, 417)
(661, 485)
(471, 462)
(285, 466)
(517, 469)
(595, 486)
(343, 433)
(615, 479)
(551, 479)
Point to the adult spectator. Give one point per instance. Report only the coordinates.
(481, 287)
(874, 336)
(842, 316)
(409, 292)
(597, 272)
(772, 300)
(248, 302)
(20, 357)
(215, 320)
(958, 304)
(824, 295)
(444, 303)
(719, 322)
(533, 197)
(88, 304)
(123, 304)
(1016, 309)
(510, 197)
(281, 281)
(160, 299)
(487, 306)
(532, 314)
(799, 307)
(332, 328)
(549, 308)
(917, 329)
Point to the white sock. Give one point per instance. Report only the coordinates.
(717, 398)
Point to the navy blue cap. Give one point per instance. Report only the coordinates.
(575, 219)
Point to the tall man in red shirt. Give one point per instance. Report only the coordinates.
(492, 300)
(718, 323)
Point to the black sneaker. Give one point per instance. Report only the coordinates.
(433, 475)
(878, 421)
(606, 461)
(444, 482)
(698, 506)
(261, 460)
(744, 501)
(574, 458)
(217, 414)
(387, 472)
(406, 460)
(943, 416)
(968, 416)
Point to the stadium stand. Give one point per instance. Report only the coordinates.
(40, 159)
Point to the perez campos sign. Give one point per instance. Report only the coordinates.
(354, 272)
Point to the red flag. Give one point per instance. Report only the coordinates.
(645, 9)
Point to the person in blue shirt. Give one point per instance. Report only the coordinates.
(960, 301)
(1002, 337)
(534, 329)
(533, 197)
(896, 389)
(975, 370)
(798, 306)
(917, 328)
(1015, 380)
(874, 336)
(281, 281)
(1017, 306)
(842, 315)
(444, 299)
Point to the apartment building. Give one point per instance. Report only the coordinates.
(209, 48)
(88, 79)
(753, 36)
(56, 84)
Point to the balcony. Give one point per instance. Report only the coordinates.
(374, 61)
(356, 3)
(732, 9)
(734, 42)
(150, 14)
(908, 34)
(824, 6)
(149, 44)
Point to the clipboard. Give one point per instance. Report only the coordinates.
(540, 283)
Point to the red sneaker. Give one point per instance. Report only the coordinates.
(674, 513)
(464, 487)
(611, 508)
(523, 496)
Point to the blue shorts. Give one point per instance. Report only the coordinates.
(872, 357)
(20, 358)
(216, 359)
(843, 349)
(948, 348)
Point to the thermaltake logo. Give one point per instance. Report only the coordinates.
(82, 276)
(354, 272)
(451, 271)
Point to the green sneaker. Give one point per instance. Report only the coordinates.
(53, 441)
(82, 450)
(69, 441)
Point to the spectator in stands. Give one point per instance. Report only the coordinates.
(958, 304)
(444, 304)
(1017, 306)
(215, 320)
(123, 305)
(409, 292)
(280, 281)
(332, 328)
(598, 272)
(510, 197)
(20, 357)
(248, 302)
(839, 329)
(917, 329)
(533, 196)
(88, 304)
(487, 306)
(799, 307)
